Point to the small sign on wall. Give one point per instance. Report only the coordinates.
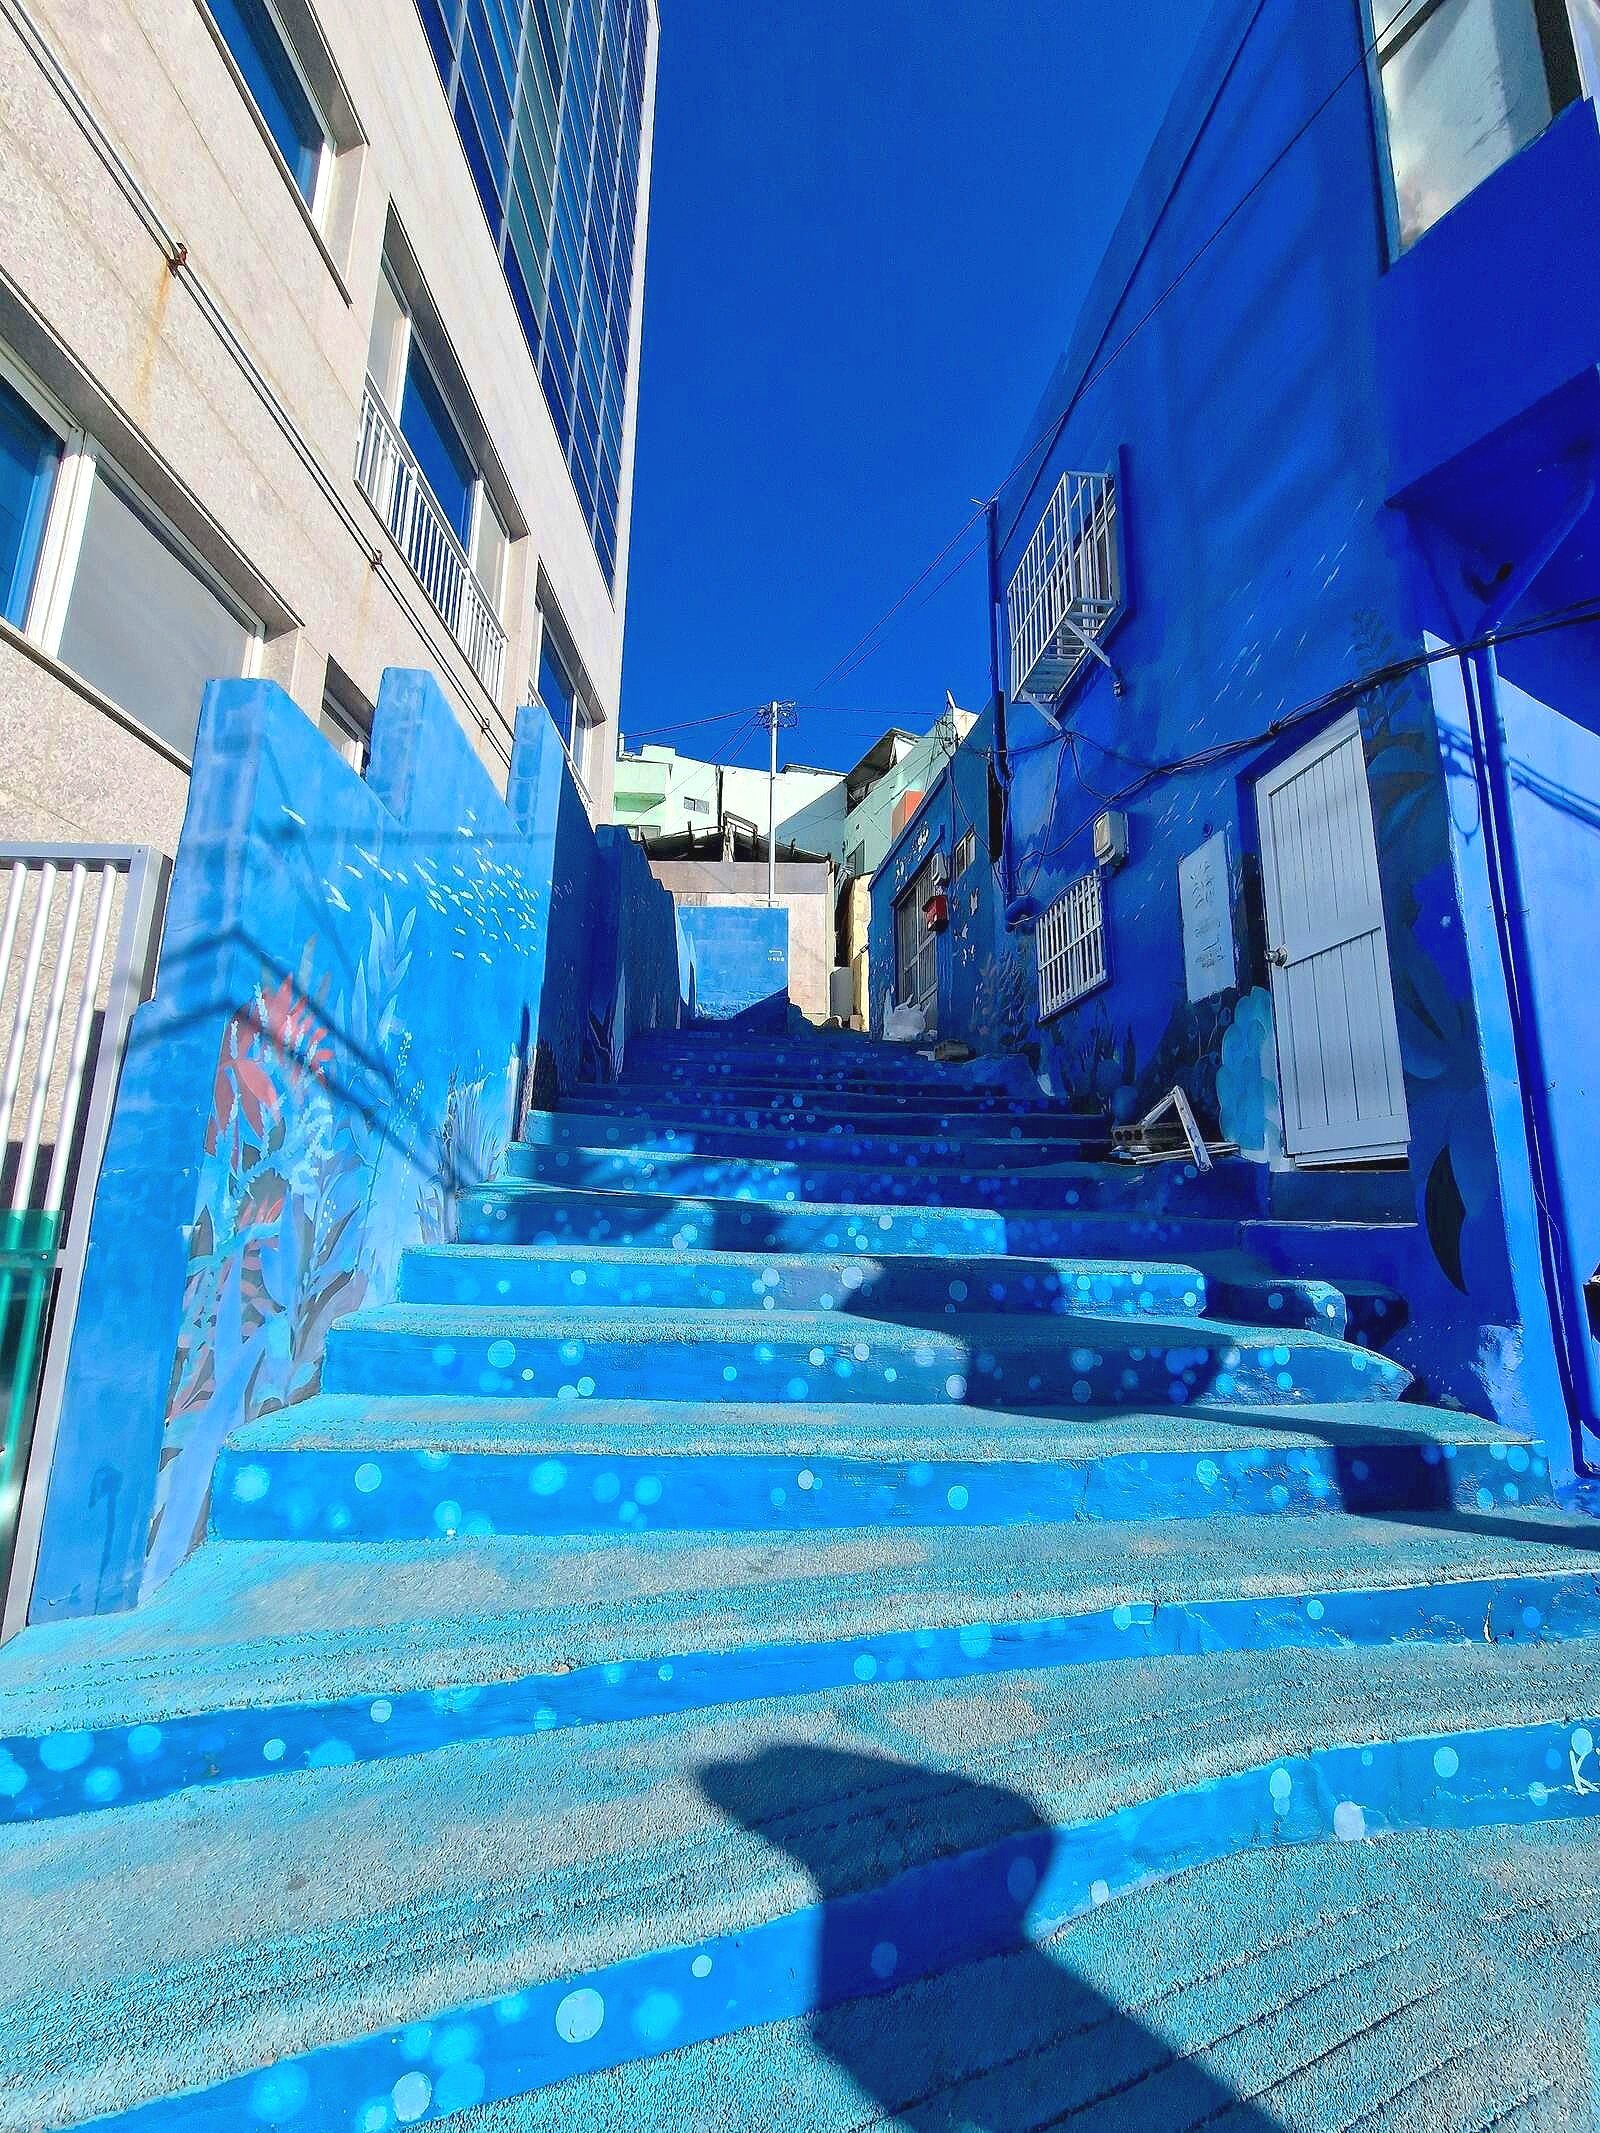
(1210, 961)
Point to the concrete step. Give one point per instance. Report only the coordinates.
(523, 1212)
(969, 1147)
(1040, 1114)
(1362, 1986)
(991, 1359)
(623, 1275)
(449, 1929)
(364, 1466)
(1056, 1188)
(412, 1646)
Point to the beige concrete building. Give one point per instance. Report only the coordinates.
(319, 335)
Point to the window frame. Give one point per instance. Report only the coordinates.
(83, 463)
(391, 393)
(1583, 37)
(317, 202)
(967, 844)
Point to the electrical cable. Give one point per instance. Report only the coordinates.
(1576, 615)
(865, 648)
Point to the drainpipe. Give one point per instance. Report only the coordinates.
(1492, 776)
(1002, 759)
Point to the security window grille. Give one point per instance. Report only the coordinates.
(1067, 589)
(1072, 945)
(966, 852)
(692, 806)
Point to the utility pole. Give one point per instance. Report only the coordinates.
(774, 716)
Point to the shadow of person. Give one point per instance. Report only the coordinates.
(928, 1991)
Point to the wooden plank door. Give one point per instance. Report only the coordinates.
(1338, 1044)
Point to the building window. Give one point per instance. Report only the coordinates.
(95, 576)
(548, 102)
(571, 712)
(259, 47)
(1072, 944)
(1464, 84)
(144, 621)
(965, 853)
(345, 719)
(692, 806)
(415, 467)
(30, 453)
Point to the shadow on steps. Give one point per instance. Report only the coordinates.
(1026, 2044)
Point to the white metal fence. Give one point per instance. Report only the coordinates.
(393, 483)
(1071, 944)
(79, 926)
(1067, 587)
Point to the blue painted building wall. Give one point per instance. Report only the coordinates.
(740, 960)
(1330, 465)
(355, 981)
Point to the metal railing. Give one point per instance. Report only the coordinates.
(78, 928)
(388, 476)
(1067, 587)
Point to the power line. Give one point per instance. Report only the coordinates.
(1578, 614)
(865, 648)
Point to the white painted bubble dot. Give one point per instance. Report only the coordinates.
(411, 2095)
(368, 1476)
(1281, 1786)
(957, 1498)
(580, 2015)
(1099, 1892)
(1349, 1823)
(701, 1966)
(883, 1960)
(1446, 1762)
(1022, 1878)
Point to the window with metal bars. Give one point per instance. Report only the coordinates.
(966, 851)
(1071, 944)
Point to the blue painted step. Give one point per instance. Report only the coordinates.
(571, 1351)
(575, 1629)
(625, 1275)
(346, 1467)
(520, 1212)
(975, 1150)
(1038, 1113)
(452, 1929)
(942, 1183)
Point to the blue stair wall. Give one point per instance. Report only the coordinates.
(357, 977)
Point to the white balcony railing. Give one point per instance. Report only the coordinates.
(393, 484)
(1067, 588)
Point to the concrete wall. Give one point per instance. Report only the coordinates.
(354, 978)
(256, 470)
(739, 955)
(805, 892)
(869, 828)
(663, 793)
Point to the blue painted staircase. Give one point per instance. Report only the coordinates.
(833, 1606)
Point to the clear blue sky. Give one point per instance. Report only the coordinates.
(872, 224)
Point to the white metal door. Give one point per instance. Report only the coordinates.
(1338, 1044)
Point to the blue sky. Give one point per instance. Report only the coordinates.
(872, 225)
